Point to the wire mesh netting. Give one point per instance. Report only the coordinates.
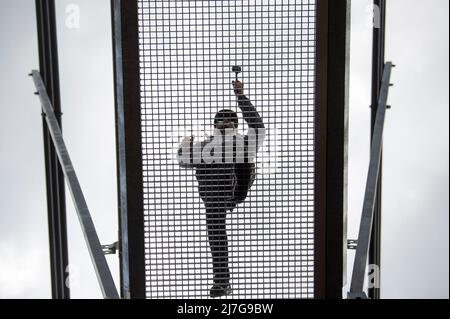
(231, 228)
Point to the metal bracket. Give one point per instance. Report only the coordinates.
(352, 244)
(388, 107)
(110, 249)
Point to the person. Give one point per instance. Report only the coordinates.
(225, 171)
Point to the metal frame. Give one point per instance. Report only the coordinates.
(129, 153)
(95, 249)
(56, 201)
(370, 197)
(333, 49)
(331, 147)
(378, 62)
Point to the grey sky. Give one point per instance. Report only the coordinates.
(416, 209)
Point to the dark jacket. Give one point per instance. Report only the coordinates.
(221, 179)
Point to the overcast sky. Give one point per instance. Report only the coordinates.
(416, 187)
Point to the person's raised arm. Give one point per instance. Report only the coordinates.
(257, 130)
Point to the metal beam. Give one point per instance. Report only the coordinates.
(56, 205)
(129, 152)
(378, 61)
(331, 144)
(365, 230)
(95, 249)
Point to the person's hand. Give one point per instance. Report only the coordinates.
(238, 88)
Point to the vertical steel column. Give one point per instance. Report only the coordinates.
(333, 47)
(48, 63)
(129, 152)
(378, 62)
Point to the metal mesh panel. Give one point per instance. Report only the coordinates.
(187, 50)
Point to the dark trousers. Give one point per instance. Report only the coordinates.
(221, 196)
(218, 241)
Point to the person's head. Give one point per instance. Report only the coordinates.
(226, 119)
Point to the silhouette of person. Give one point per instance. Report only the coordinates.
(225, 171)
